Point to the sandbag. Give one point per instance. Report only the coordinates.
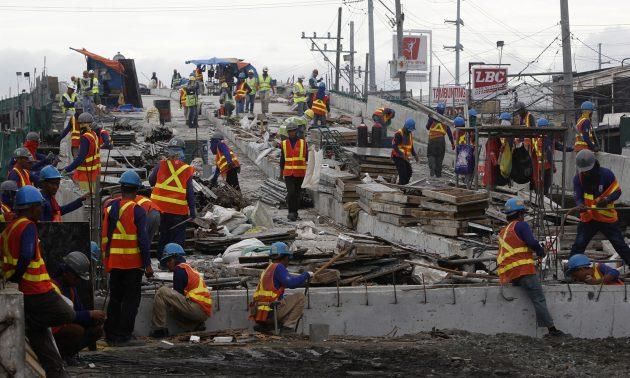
(521, 166)
(313, 170)
(233, 252)
(465, 159)
(505, 161)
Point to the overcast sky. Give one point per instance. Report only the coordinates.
(160, 34)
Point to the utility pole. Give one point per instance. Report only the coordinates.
(599, 57)
(400, 18)
(338, 58)
(458, 46)
(371, 68)
(351, 91)
(365, 74)
(567, 78)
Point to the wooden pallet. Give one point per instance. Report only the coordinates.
(397, 220)
(447, 207)
(456, 196)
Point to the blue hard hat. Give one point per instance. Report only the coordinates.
(513, 205)
(587, 105)
(322, 84)
(472, 113)
(49, 173)
(459, 121)
(410, 124)
(578, 261)
(26, 196)
(280, 249)
(505, 116)
(130, 178)
(171, 250)
(542, 122)
(441, 106)
(242, 75)
(95, 251)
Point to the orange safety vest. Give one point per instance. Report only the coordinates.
(319, 105)
(35, 279)
(75, 133)
(121, 252)
(6, 215)
(199, 74)
(266, 293)
(182, 97)
(196, 289)
(169, 193)
(437, 130)
(515, 258)
(24, 175)
(146, 203)
(240, 91)
(222, 163)
(90, 168)
(294, 158)
(405, 147)
(605, 216)
(380, 112)
(580, 143)
(598, 275)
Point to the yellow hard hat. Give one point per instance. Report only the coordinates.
(309, 113)
(224, 85)
(191, 78)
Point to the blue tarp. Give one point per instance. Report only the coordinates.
(241, 65)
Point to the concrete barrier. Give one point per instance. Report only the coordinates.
(12, 338)
(351, 105)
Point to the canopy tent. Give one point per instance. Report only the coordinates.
(241, 65)
(113, 64)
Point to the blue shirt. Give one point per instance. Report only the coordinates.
(190, 192)
(140, 220)
(524, 232)
(180, 279)
(586, 127)
(84, 147)
(82, 313)
(604, 176)
(47, 209)
(282, 278)
(605, 270)
(28, 243)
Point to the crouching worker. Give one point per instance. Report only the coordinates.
(581, 270)
(189, 300)
(515, 261)
(87, 327)
(270, 292)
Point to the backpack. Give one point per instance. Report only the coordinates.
(521, 166)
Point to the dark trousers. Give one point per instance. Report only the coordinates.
(404, 170)
(176, 235)
(294, 188)
(531, 284)
(43, 311)
(231, 178)
(193, 117)
(124, 299)
(71, 338)
(612, 232)
(435, 154)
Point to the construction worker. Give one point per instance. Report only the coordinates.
(23, 264)
(49, 180)
(383, 116)
(525, 118)
(7, 197)
(320, 105)
(94, 87)
(299, 95)
(87, 327)
(515, 261)
(579, 268)
(192, 101)
(595, 190)
(240, 93)
(584, 135)
(293, 158)
(199, 70)
(173, 194)
(87, 164)
(21, 171)
(68, 108)
(265, 84)
(85, 93)
(39, 160)
(543, 149)
(252, 83)
(104, 139)
(436, 147)
(302, 122)
(182, 102)
(126, 256)
(189, 299)
(472, 117)
(464, 138)
(225, 98)
(461, 137)
(313, 81)
(270, 290)
(175, 79)
(226, 162)
(402, 151)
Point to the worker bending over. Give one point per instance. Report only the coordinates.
(580, 269)
(126, 256)
(7, 199)
(21, 171)
(299, 95)
(436, 148)
(595, 190)
(301, 121)
(293, 158)
(189, 299)
(87, 164)
(23, 264)
(87, 327)
(517, 246)
(49, 180)
(584, 136)
(271, 286)
(227, 164)
(173, 194)
(402, 151)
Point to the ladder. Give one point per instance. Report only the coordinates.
(330, 142)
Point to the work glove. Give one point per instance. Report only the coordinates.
(310, 275)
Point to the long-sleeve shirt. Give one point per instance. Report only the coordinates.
(586, 128)
(140, 220)
(293, 141)
(524, 232)
(180, 279)
(607, 270)
(603, 178)
(220, 146)
(190, 192)
(28, 243)
(67, 104)
(84, 148)
(282, 278)
(82, 313)
(430, 123)
(398, 140)
(47, 207)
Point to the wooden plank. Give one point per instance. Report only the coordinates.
(437, 206)
(389, 269)
(399, 198)
(396, 220)
(346, 185)
(368, 191)
(446, 231)
(366, 208)
(456, 195)
(372, 249)
(390, 208)
(428, 214)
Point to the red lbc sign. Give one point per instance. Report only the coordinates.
(488, 81)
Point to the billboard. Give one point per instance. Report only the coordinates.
(415, 50)
(487, 82)
(451, 95)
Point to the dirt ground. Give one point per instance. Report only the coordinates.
(449, 353)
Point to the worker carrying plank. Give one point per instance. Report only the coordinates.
(227, 164)
(595, 191)
(269, 295)
(580, 269)
(402, 151)
(436, 148)
(515, 261)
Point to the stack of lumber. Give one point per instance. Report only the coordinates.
(373, 161)
(328, 179)
(388, 204)
(346, 190)
(346, 136)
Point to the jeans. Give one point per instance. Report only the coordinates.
(586, 231)
(249, 104)
(294, 187)
(124, 299)
(193, 117)
(404, 170)
(176, 235)
(264, 101)
(435, 154)
(240, 106)
(153, 223)
(87, 104)
(531, 284)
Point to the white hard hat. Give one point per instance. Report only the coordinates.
(265, 68)
(91, 71)
(250, 71)
(72, 86)
(301, 77)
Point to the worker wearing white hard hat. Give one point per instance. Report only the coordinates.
(85, 93)
(299, 95)
(252, 83)
(265, 85)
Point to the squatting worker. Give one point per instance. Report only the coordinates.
(580, 269)
(87, 164)
(595, 190)
(23, 264)
(436, 148)
(173, 194)
(125, 246)
(515, 261)
(226, 162)
(293, 158)
(49, 180)
(402, 151)
(273, 281)
(584, 136)
(189, 300)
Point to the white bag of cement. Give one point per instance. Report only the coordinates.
(68, 192)
(233, 252)
(248, 210)
(305, 231)
(367, 179)
(221, 214)
(65, 151)
(430, 276)
(236, 220)
(260, 216)
(313, 169)
(242, 228)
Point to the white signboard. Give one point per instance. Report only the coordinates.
(451, 95)
(487, 82)
(415, 50)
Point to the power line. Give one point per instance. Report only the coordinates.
(596, 51)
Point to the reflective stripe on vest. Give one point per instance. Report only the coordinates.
(146, 203)
(222, 163)
(437, 130)
(24, 176)
(252, 83)
(319, 106)
(266, 293)
(294, 158)
(182, 96)
(72, 99)
(95, 86)
(191, 97)
(264, 83)
(406, 145)
(598, 275)
(90, 169)
(56, 209)
(75, 133)
(196, 289)
(605, 216)
(514, 259)
(169, 193)
(6, 215)
(240, 91)
(580, 143)
(121, 252)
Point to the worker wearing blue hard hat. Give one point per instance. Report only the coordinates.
(226, 162)
(189, 300)
(436, 146)
(403, 151)
(270, 291)
(515, 260)
(24, 265)
(580, 269)
(49, 181)
(584, 135)
(240, 93)
(543, 148)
